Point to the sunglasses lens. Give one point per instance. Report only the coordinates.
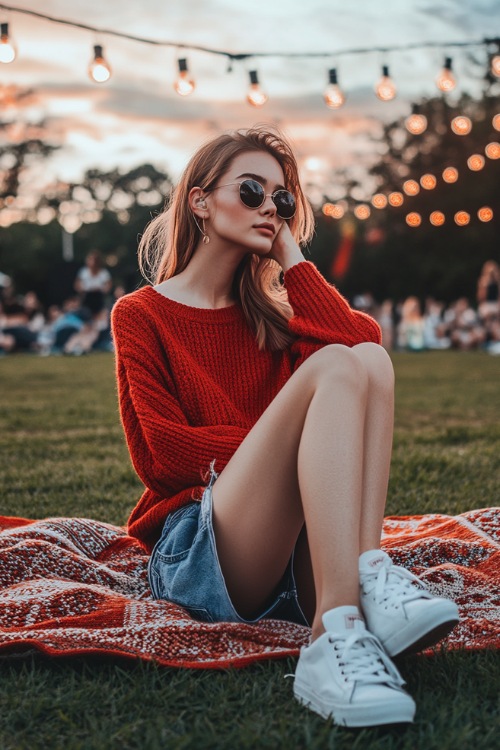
(285, 204)
(252, 193)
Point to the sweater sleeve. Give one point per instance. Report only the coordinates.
(168, 453)
(322, 315)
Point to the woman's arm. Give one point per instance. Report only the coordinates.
(168, 453)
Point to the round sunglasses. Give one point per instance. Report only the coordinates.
(253, 195)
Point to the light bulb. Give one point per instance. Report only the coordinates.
(7, 49)
(379, 200)
(462, 218)
(385, 88)
(411, 187)
(485, 213)
(416, 124)
(495, 65)
(255, 96)
(450, 174)
(476, 162)
(461, 125)
(428, 181)
(99, 69)
(492, 150)
(446, 80)
(184, 84)
(396, 199)
(333, 96)
(362, 211)
(413, 219)
(437, 218)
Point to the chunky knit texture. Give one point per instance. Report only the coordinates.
(192, 382)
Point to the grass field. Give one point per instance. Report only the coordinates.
(63, 454)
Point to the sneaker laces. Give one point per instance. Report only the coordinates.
(393, 584)
(362, 659)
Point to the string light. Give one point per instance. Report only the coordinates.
(379, 200)
(333, 95)
(496, 122)
(450, 174)
(462, 218)
(99, 69)
(485, 213)
(446, 80)
(255, 96)
(411, 187)
(476, 162)
(492, 150)
(362, 211)
(184, 84)
(461, 125)
(385, 88)
(437, 218)
(428, 181)
(396, 199)
(7, 49)
(416, 123)
(413, 219)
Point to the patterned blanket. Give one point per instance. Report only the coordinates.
(76, 586)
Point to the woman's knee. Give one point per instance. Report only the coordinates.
(336, 364)
(377, 363)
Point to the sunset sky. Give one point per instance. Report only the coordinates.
(137, 117)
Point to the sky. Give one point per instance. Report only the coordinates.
(137, 117)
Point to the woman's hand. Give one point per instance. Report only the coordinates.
(285, 250)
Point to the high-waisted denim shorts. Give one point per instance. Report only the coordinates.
(184, 568)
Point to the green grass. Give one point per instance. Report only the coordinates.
(63, 453)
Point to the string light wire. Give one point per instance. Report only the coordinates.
(233, 56)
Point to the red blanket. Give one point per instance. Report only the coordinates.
(74, 586)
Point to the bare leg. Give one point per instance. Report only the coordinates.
(303, 460)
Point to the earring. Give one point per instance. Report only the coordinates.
(206, 238)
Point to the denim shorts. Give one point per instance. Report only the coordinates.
(184, 569)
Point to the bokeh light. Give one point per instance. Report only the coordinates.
(496, 122)
(416, 124)
(461, 125)
(476, 162)
(379, 200)
(437, 218)
(462, 218)
(428, 181)
(411, 187)
(413, 219)
(492, 150)
(396, 199)
(334, 210)
(450, 174)
(485, 213)
(362, 211)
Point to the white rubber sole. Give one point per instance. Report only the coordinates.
(424, 631)
(400, 711)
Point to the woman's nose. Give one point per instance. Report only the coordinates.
(268, 207)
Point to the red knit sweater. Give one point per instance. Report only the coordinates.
(192, 382)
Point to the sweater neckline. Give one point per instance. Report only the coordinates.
(200, 314)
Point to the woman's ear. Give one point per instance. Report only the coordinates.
(198, 203)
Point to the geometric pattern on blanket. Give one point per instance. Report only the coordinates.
(72, 586)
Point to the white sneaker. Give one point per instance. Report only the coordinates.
(346, 674)
(399, 609)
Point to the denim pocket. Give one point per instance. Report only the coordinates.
(178, 535)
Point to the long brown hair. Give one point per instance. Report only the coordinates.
(169, 241)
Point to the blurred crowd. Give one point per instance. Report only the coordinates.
(463, 325)
(79, 326)
(82, 323)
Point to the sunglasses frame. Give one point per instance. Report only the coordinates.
(264, 196)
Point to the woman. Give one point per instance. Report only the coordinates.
(287, 392)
